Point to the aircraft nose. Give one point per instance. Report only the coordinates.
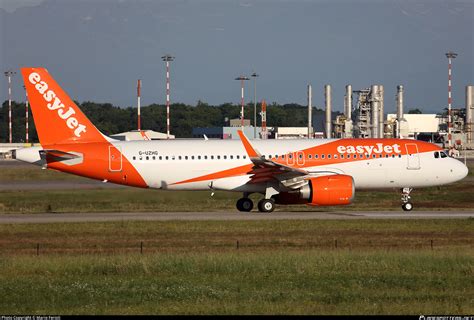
(463, 170)
(459, 171)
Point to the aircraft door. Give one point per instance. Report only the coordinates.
(300, 158)
(290, 158)
(115, 159)
(413, 157)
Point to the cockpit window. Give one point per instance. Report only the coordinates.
(436, 154)
(443, 155)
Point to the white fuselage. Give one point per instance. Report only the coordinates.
(164, 164)
(222, 164)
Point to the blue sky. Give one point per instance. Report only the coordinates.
(97, 49)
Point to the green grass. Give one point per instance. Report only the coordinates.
(111, 200)
(280, 267)
(211, 236)
(282, 282)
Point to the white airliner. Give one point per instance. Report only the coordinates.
(322, 172)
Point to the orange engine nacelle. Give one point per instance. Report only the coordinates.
(332, 190)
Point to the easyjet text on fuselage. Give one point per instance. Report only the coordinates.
(377, 148)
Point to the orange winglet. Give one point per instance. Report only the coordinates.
(252, 153)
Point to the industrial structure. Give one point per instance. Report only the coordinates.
(327, 97)
(401, 124)
(369, 118)
(469, 110)
(362, 126)
(342, 126)
(310, 111)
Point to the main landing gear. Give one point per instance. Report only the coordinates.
(244, 204)
(406, 204)
(266, 205)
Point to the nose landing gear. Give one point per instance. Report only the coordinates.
(406, 203)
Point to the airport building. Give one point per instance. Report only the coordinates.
(141, 135)
(416, 124)
(226, 132)
(6, 148)
(272, 132)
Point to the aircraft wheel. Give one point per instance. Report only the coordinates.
(244, 204)
(407, 206)
(266, 205)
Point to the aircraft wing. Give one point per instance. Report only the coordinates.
(267, 170)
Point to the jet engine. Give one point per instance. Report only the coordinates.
(330, 190)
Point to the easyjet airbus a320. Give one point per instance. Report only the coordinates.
(315, 172)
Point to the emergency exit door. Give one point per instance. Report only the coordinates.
(115, 159)
(413, 157)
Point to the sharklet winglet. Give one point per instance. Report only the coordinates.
(252, 153)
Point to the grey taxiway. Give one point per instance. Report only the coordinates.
(228, 216)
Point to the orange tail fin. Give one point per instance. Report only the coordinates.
(57, 118)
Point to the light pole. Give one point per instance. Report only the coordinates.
(26, 114)
(139, 86)
(167, 58)
(255, 75)
(242, 79)
(9, 75)
(450, 55)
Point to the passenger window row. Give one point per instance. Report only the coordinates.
(205, 157)
(282, 157)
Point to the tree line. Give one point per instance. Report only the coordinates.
(110, 119)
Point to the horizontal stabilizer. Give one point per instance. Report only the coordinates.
(61, 156)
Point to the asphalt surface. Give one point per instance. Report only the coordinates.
(226, 216)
